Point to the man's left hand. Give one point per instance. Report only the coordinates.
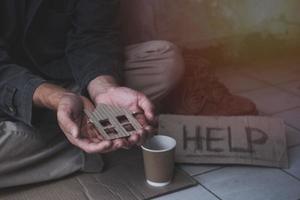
(103, 90)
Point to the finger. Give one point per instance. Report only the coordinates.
(87, 104)
(143, 136)
(143, 132)
(141, 119)
(127, 147)
(150, 131)
(120, 143)
(134, 139)
(154, 122)
(111, 148)
(127, 144)
(147, 106)
(94, 140)
(95, 132)
(92, 132)
(67, 124)
(90, 147)
(99, 147)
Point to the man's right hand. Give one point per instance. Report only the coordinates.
(72, 121)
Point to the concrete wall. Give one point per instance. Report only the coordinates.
(232, 29)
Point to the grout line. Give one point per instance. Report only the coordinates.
(287, 82)
(283, 170)
(85, 191)
(291, 175)
(277, 112)
(297, 130)
(291, 126)
(253, 90)
(254, 78)
(208, 171)
(289, 109)
(267, 83)
(275, 85)
(291, 92)
(269, 86)
(294, 146)
(246, 90)
(211, 192)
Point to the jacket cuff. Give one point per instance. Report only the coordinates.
(83, 83)
(91, 76)
(23, 100)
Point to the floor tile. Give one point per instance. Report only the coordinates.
(251, 183)
(291, 117)
(293, 87)
(293, 136)
(194, 193)
(273, 73)
(198, 169)
(294, 160)
(239, 83)
(272, 100)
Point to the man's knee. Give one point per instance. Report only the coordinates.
(174, 65)
(154, 67)
(169, 62)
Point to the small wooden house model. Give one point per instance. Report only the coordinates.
(113, 122)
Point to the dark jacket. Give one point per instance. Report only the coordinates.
(53, 40)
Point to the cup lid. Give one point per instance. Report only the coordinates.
(159, 143)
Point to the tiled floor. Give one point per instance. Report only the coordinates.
(275, 88)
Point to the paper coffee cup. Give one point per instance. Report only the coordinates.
(158, 153)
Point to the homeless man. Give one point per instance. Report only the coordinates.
(58, 57)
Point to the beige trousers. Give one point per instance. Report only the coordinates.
(42, 153)
(153, 67)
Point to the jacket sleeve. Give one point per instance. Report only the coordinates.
(17, 86)
(93, 46)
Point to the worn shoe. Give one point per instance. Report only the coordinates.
(200, 93)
